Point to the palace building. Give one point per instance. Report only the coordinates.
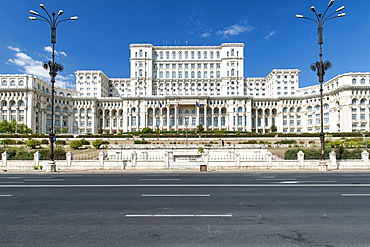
(180, 87)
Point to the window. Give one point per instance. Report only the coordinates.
(354, 81)
(199, 55)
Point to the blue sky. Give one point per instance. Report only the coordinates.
(100, 39)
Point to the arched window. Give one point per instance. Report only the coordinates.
(192, 74)
(199, 55)
(326, 107)
(186, 74)
(186, 55)
(82, 111)
(192, 55)
(211, 55)
(4, 83)
(211, 74)
(186, 111)
(141, 53)
(180, 55)
(285, 109)
(48, 108)
(21, 103)
(180, 74)
(199, 74)
(205, 55)
(21, 83)
(89, 110)
(12, 103)
(12, 83)
(205, 74)
(232, 52)
(218, 55)
(161, 55)
(291, 109)
(309, 108)
(167, 55)
(57, 109)
(299, 109)
(218, 74)
(61, 93)
(167, 74)
(173, 55)
(354, 81)
(354, 102)
(161, 74)
(155, 55)
(232, 72)
(65, 110)
(363, 81)
(363, 101)
(173, 74)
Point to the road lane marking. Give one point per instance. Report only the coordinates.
(178, 215)
(11, 182)
(5, 195)
(175, 195)
(43, 180)
(174, 185)
(159, 179)
(355, 194)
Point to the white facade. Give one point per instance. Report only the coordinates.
(178, 87)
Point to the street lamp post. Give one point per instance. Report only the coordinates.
(52, 66)
(320, 67)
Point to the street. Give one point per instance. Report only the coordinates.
(185, 209)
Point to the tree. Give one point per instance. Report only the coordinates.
(75, 144)
(200, 128)
(273, 128)
(64, 130)
(147, 130)
(23, 129)
(32, 143)
(100, 130)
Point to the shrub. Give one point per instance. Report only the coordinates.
(84, 142)
(98, 142)
(32, 143)
(8, 142)
(60, 142)
(75, 144)
(141, 142)
(44, 141)
(286, 142)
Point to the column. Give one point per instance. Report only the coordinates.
(176, 113)
(168, 117)
(205, 117)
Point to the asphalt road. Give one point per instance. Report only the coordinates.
(185, 209)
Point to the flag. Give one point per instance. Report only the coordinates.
(160, 104)
(197, 103)
(178, 105)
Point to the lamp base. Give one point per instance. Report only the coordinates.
(323, 165)
(51, 166)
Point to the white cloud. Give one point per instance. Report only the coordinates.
(16, 49)
(235, 29)
(50, 49)
(205, 35)
(28, 65)
(270, 34)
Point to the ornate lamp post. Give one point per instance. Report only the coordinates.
(320, 67)
(52, 66)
